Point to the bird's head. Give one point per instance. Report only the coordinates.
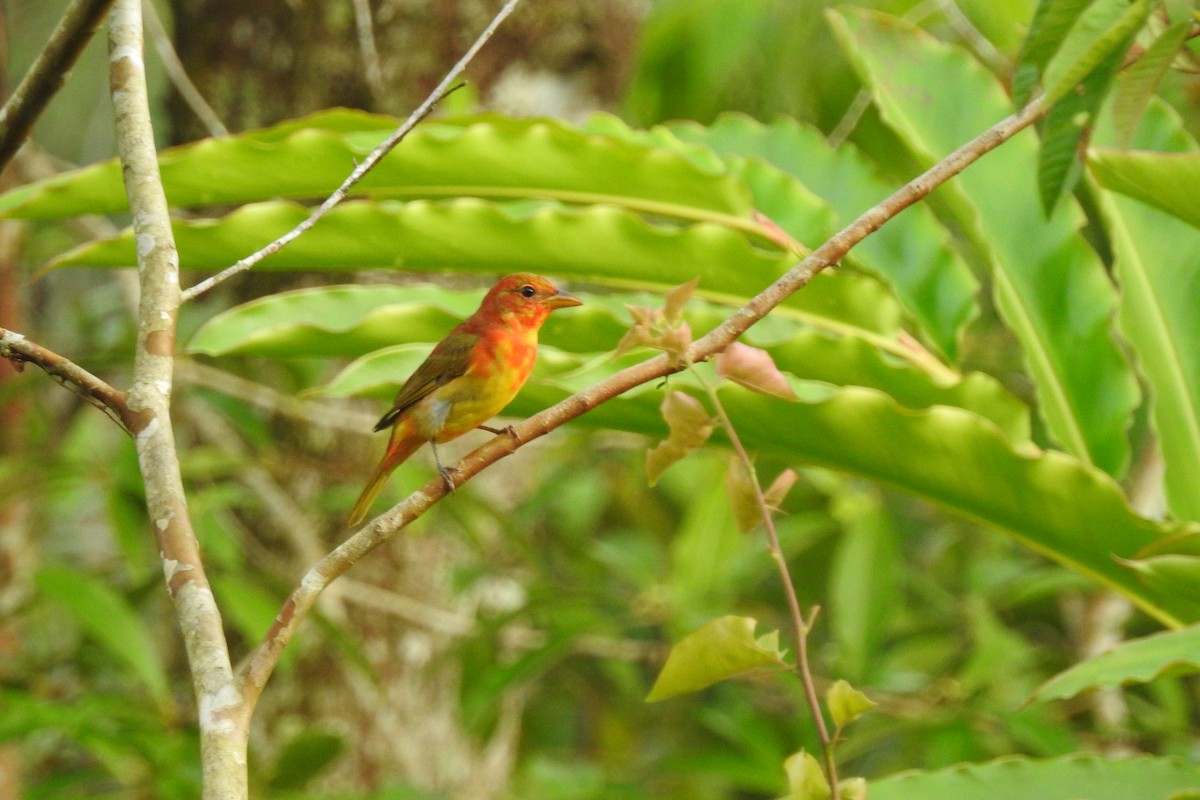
(526, 299)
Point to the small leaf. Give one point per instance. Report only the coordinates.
(853, 789)
(739, 486)
(806, 779)
(690, 427)
(846, 703)
(677, 298)
(754, 369)
(779, 488)
(676, 340)
(720, 649)
(1138, 84)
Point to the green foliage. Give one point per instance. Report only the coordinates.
(721, 649)
(1141, 660)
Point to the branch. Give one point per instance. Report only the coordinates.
(440, 91)
(20, 351)
(178, 75)
(222, 738)
(48, 73)
(258, 666)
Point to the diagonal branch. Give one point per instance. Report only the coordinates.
(48, 73)
(257, 668)
(425, 109)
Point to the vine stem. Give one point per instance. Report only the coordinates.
(800, 625)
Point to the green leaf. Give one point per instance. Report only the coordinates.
(489, 157)
(1052, 21)
(846, 703)
(912, 252)
(1166, 181)
(112, 623)
(1104, 29)
(305, 757)
(1137, 661)
(1155, 254)
(1041, 268)
(806, 778)
(1136, 85)
(1069, 778)
(721, 649)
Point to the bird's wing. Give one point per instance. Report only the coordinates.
(449, 360)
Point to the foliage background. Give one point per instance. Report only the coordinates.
(506, 646)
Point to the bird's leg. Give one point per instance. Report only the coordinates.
(445, 473)
(509, 429)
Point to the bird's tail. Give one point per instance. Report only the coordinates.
(402, 445)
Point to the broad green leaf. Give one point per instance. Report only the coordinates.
(1137, 661)
(1156, 259)
(1105, 27)
(489, 157)
(1069, 778)
(594, 243)
(721, 649)
(1052, 21)
(1050, 286)
(1166, 181)
(846, 703)
(108, 619)
(911, 252)
(1137, 84)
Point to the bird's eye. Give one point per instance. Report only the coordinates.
(527, 291)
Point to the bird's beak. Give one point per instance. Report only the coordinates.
(562, 299)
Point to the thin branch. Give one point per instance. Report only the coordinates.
(48, 73)
(440, 91)
(178, 75)
(222, 738)
(800, 626)
(258, 667)
(20, 351)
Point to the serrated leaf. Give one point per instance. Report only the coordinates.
(1103, 29)
(846, 703)
(1051, 21)
(1085, 387)
(1137, 84)
(806, 778)
(721, 649)
(109, 620)
(754, 369)
(1068, 778)
(690, 425)
(1136, 661)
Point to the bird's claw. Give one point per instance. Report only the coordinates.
(446, 478)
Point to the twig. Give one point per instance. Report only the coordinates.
(178, 75)
(258, 667)
(800, 626)
(440, 91)
(48, 73)
(222, 730)
(20, 351)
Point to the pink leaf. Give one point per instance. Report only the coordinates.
(753, 368)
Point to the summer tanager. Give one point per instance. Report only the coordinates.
(468, 378)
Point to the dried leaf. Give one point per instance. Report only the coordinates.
(739, 487)
(690, 426)
(677, 298)
(677, 339)
(779, 488)
(755, 369)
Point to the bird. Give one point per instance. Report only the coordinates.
(470, 376)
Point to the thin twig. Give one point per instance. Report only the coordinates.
(799, 624)
(48, 73)
(440, 91)
(178, 75)
(256, 670)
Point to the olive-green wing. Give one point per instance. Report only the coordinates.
(449, 360)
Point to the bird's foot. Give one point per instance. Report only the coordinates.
(447, 477)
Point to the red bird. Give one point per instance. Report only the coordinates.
(469, 377)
